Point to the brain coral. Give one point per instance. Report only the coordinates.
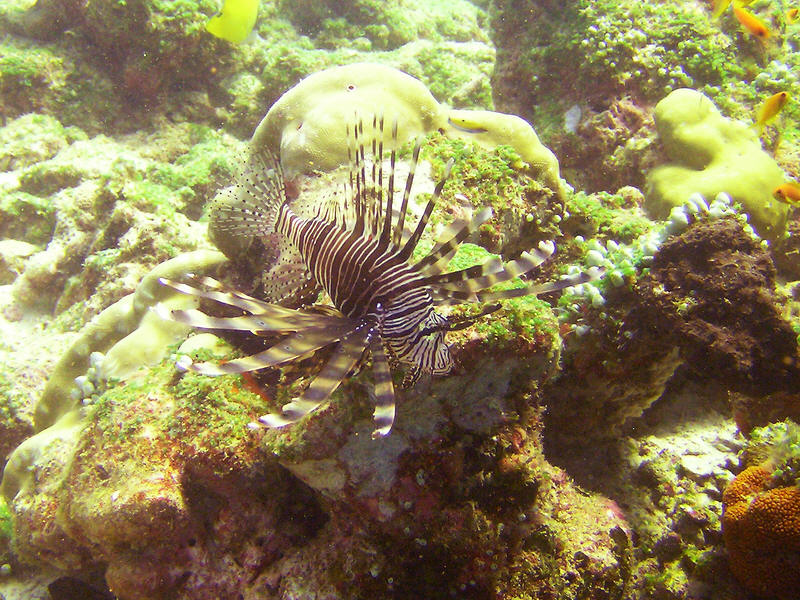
(761, 527)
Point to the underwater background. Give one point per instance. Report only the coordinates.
(634, 437)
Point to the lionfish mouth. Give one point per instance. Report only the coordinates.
(383, 304)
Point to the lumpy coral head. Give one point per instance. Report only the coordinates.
(490, 129)
(712, 154)
(761, 527)
(307, 123)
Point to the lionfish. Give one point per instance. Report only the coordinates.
(383, 304)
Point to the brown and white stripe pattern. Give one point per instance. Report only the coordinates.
(383, 304)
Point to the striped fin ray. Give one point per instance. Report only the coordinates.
(412, 241)
(386, 231)
(297, 345)
(366, 182)
(493, 265)
(398, 229)
(451, 237)
(524, 264)
(377, 173)
(218, 294)
(450, 297)
(250, 207)
(221, 294)
(259, 323)
(384, 388)
(344, 359)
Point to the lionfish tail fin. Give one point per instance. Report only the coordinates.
(251, 206)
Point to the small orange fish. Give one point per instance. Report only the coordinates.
(752, 23)
(792, 15)
(770, 109)
(788, 192)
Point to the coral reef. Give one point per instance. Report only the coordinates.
(104, 212)
(608, 149)
(711, 290)
(129, 335)
(305, 124)
(585, 446)
(760, 525)
(196, 491)
(712, 154)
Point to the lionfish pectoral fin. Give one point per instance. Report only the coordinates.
(218, 294)
(527, 262)
(384, 389)
(451, 238)
(291, 412)
(491, 266)
(542, 288)
(294, 346)
(344, 358)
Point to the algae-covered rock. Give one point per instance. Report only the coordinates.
(713, 154)
(161, 484)
(491, 129)
(158, 479)
(146, 43)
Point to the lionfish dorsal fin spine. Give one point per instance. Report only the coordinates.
(386, 232)
(401, 219)
(379, 201)
(412, 241)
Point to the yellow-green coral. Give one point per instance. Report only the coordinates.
(116, 322)
(491, 129)
(307, 123)
(712, 154)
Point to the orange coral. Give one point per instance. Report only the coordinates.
(761, 527)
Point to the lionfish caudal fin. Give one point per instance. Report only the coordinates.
(308, 331)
